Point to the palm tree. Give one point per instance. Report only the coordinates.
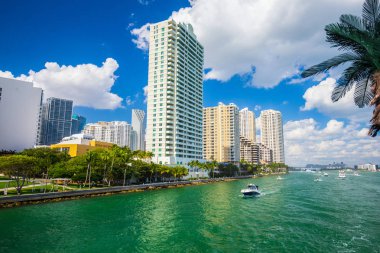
(90, 157)
(360, 38)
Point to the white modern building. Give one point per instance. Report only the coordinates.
(175, 94)
(138, 131)
(247, 125)
(20, 106)
(367, 166)
(117, 132)
(272, 135)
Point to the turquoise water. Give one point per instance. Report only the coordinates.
(292, 215)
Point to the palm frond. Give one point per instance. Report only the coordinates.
(353, 21)
(363, 94)
(352, 74)
(331, 63)
(345, 37)
(371, 13)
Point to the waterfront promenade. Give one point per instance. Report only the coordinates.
(12, 201)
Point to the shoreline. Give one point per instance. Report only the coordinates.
(40, 198)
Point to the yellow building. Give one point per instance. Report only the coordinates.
(78, 144)
(221, 133)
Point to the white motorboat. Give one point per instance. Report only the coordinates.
(280, 178)
(325, 174)
(342, 174)
(251, 191)
(356, 174)
(318, 179)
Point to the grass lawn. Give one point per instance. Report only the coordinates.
(36, 189)
(12, 184)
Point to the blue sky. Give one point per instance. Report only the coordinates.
(71, 33)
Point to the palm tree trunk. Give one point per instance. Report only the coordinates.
(88, 168)
(109, 180)
(375, 121)
(89, 178)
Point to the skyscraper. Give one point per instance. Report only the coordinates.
(117, 132)
(221, 140)
(77, 124)
(175, 94)
(138, 133)
(20, 105)
(247, 124)
(272, 133)
(55, 120)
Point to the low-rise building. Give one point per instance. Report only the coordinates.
(78, 144)
(367, 166)
(266, 154)
(249, 151)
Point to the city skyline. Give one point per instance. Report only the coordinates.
(121, 61)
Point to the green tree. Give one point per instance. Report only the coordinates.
(46, 157)
(360, 38)
(18, 167)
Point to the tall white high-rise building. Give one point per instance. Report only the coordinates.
(247, 124)
(117, 132)
(20, 107)
(272, 133)
(175, 94)
(138, 131)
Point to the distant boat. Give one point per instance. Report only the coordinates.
(280, 178)
(356, 174)
(325, 174)
(342, 174)
(318, 179)
(251, 191)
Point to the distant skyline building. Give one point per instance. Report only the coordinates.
(247, 124)
(272, 133)
(175, 94)
(117, 132)
(20, 106)
(221, 141)
(138, 131)
(55, 120)
(77, 124)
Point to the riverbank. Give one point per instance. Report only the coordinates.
(13, 201)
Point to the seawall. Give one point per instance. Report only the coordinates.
(13, 201)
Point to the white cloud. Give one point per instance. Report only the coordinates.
(145, 89)
(142, 37)
(85, 84)
(145, 2)
(307, 142)
(257, 108)
(319, 97)
(274, 36)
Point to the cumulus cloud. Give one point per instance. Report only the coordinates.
(319, 97)
(145, 89)
(306, 141)
(270, 38)
(142, 37)
(86, 84)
